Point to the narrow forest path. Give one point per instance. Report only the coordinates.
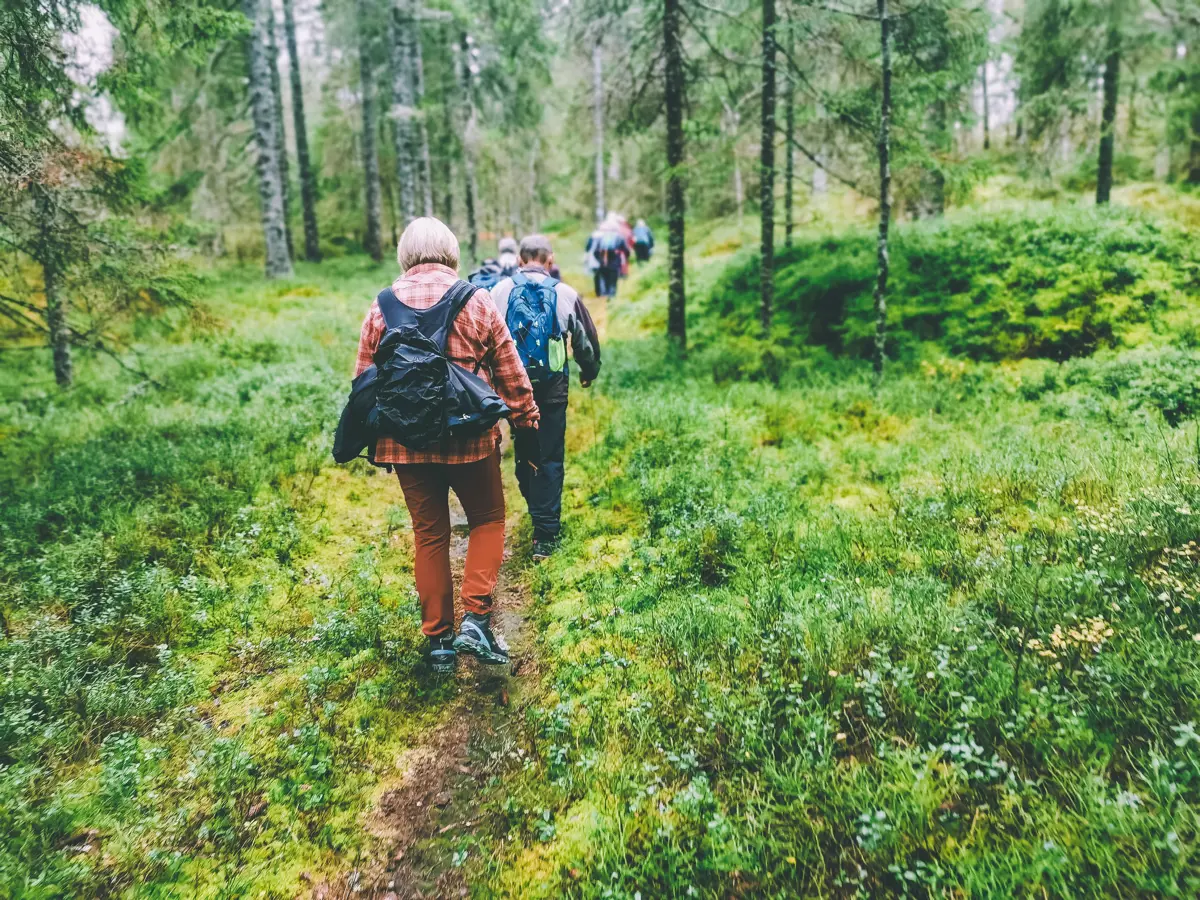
(430, 803)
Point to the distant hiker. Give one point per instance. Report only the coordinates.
(494, 269)
(607, 246)
(643, 241)
(478, 341)
(541, 312)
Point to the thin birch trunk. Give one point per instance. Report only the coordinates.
(673, 90)
(400, 23)
(285, 176)
(266, 123)
(885, 187)
(767, 166)
(471, 189)
(418, 61)
(308, 176)
(370, 152)
(598, 126)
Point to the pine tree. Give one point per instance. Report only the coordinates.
(767, 166)
(884, 150)
(674, 92)
(308, 176)
(373, 240)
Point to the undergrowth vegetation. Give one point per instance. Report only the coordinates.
(1047, 282)
(208, 655)
(938, 640)
(804, 638)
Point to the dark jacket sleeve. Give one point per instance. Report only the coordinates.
(585, 342)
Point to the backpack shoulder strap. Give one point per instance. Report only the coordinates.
(519, 278)
(391, 307)
(459, 295)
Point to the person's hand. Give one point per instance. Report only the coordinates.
(585, 383)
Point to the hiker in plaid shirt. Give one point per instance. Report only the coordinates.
(478, 340)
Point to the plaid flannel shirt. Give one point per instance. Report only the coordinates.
(478, 337)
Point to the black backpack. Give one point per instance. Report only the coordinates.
(414, 394)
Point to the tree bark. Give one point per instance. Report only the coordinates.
(449, 123)
(673, 89)
(789, 166)
(987, 131)
(373, 243)
(418, 62)
(767, 165)
(1108, 115)
(598, 126)
(885, 187)
(58, 332)
(400, 24)
(939, 128)
(266, 123)
(1193, 171)
(308, 177)
(285, 175)
(470, 188)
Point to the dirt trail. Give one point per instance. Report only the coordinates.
(432, 799)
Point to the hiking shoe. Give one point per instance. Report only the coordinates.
(475, 637)
(543, 550)
(442, 655)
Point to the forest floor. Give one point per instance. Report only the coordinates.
(804, 636)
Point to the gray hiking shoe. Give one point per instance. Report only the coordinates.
(475, 636)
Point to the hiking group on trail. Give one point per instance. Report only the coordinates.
(609, 248)
(440, 362)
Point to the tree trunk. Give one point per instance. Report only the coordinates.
(285, 176)
(940, 139)
(400, 25)
(789, 166)
(983, 83)
(308, 177)
(1108, 115)
(453, 138)
(266, 123)
(598, 126)
(885, 187)
(374, 239)
(470, 188)
(673, 89)
(767, 165)
(1193, 171)
(58, 333)
(418, 62)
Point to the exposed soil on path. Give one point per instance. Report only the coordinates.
(431, 802)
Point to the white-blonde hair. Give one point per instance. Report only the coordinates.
(427, 240)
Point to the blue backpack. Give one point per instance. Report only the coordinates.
(489, 274)
(532, 319)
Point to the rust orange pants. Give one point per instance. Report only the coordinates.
(481, 492)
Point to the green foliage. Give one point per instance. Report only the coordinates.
(196, 679)
(1053, 284)
(904, 644)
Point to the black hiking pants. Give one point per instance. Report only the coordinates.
(542, 488)
(606, 281)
